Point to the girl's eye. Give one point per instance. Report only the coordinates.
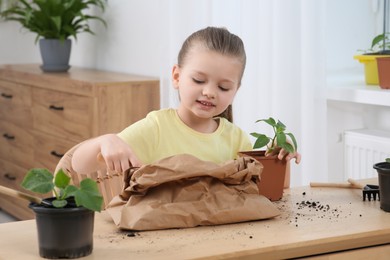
(223, 89)
(198, 81)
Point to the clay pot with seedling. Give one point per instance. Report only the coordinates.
(273, 177)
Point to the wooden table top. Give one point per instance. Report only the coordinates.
(313, 221)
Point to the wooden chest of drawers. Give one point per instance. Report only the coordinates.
(42, 115)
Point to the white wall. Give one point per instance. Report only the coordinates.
(17, 45)
(136, 36)
(351, 25)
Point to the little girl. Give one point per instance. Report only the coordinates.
(207, 76)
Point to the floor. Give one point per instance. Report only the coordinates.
(4, 217)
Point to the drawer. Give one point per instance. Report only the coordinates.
(16, 144)
(49, 150)
(15, 103)
(11, 175)
(63, 115)
(16, 207)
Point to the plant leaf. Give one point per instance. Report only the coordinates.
(293, 140)
(255, 134)
(70, 191)
(288, 147)
(49, 18)
(280, 139)
(261, 141)
(377, 39)
(89, 196)
(59, 203)
(38, 180)
(280, 127)
(269, 121)
(61, 180)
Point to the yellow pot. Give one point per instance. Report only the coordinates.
(370, 67)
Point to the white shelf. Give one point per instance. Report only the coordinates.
(350, 86)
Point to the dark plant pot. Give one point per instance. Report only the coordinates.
(272, 179)
(55, 54)
(64, 232)
(384, 72)
(383, 169)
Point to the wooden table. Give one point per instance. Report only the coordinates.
(329, 220)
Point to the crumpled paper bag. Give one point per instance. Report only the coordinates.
(183, 191)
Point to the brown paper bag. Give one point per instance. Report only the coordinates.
(183, 191)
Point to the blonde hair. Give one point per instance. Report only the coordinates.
(221, 41)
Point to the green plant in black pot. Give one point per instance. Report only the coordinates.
(383, 169)
(65, 222)
(54, 22)
(42, 181)
(278, 140)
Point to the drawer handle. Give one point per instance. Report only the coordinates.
(53, 107)
(9, 177)
(54, 153)
(6, 95)
(9, 137)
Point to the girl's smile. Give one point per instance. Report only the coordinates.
(205, 104)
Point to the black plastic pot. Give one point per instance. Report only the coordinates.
(64, 232)
(383, 169)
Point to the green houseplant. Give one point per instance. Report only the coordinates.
(54, 22)
(278, 140)
(275, 174)
(65, 227)
(383, 169)
(378, 53)
(377, 61)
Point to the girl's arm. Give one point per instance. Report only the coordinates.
(117, 155)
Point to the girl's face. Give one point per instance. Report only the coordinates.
(207, 82)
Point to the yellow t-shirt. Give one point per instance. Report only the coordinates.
(162, 134)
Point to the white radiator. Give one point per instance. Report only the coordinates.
(362, 149)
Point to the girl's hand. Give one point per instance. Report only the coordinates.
(117, 154)
(281, 153)
(284, 154)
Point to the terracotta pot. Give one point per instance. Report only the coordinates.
(384, 72)
(383, 169)
(273, 176)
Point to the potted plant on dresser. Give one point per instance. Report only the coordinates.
(65, 222)
(273, 177)
(383, 169)
(54, 22)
